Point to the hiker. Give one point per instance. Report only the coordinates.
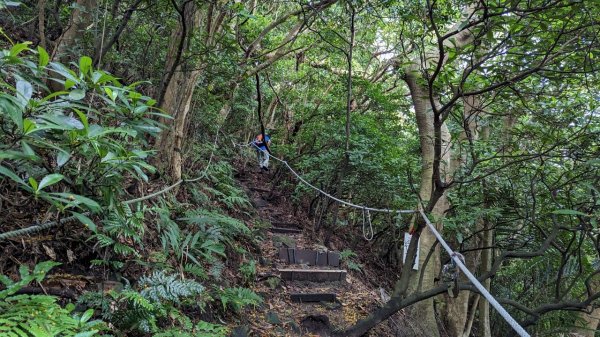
(261, 150)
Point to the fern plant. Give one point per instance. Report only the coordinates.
(348, 256)
(122, 232)
(40, 315)
(202, 329)
(162, 287)
(238, 298)
(159, 296)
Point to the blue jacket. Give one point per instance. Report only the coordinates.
(261, 144)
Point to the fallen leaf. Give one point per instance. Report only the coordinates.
(49, 251)
(70, 255)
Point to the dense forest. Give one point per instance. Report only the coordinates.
(132, 202)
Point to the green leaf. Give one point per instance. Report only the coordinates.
(569, 212)
(77, 94)
(62, 158)
(78, 199)
(44, 58)
(85, 64)
(86, 316)
(18, 48)
(83, 118)
(33, 183)
(12, 175)
(85, 221)
(24, 92)
(50, 179)
(9, 107)
(28, 126)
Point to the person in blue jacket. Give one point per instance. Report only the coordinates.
(261, 145)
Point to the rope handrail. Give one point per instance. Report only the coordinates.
(454, 255)
(347, 203)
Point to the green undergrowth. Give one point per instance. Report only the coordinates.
(84, 150)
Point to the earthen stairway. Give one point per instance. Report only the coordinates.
(311, 274)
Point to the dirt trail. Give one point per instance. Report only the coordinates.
(280, 315)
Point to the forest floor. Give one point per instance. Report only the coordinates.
(356, 296)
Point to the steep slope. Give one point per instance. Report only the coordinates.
(306, 288)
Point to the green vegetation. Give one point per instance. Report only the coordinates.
(123, 115)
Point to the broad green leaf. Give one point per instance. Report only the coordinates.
(64, 71)
(85, 221)
(28, 126)
(62, 158)
(110, 93)
(44, 58)
(78, 199)
(11, 108)
(18, 48)
(33, 183)
(24, 92)
(85, 64)
(86, 316)
(77, 94)
(83, 118)
(69, 84)
(9, 173)
(50, 179)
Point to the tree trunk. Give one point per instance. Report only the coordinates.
(425, 122)
(81, 19)
(486, 264)
(41, 22)
(178, 92)
(589, 323)
(456, 309)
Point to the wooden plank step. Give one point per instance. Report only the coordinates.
(322, 297)
(285, 230)
(259, 189)
(309, 257)
(313, 275)
(284, 224)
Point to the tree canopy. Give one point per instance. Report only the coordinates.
(481, 114)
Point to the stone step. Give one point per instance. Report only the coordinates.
(322, 297)
(285, 230)
(309, 257)
(312, 275)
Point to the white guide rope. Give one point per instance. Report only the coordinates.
(484, 292)
(364, 208)
(456, 257)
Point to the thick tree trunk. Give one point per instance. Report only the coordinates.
(424, 310)
(179, 90)
(41, 22)
(81, 19)
(178, 98)
(456, 309)
(589, 323)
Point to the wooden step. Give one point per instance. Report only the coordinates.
(312, 275)
(259, 189)
(303, 298)
(285, 230)
(284, 224)
(309, 257)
